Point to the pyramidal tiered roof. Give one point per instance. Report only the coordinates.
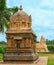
(20, 14)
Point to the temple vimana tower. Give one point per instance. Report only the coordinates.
(42, 46)
(21, 39)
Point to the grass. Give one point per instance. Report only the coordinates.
(1, 57)
(50, 58)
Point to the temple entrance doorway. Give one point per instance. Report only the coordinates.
(18, 42)
(18, 45)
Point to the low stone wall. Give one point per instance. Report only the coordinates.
(47, 52)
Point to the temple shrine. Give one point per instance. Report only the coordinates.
(21, 39)
(42, 46)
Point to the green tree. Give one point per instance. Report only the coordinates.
(5, 14)
(2, 49)
(50, 42)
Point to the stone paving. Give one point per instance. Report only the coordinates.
(41, 61)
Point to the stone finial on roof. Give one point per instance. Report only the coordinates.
(21, 7)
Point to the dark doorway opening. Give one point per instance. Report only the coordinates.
(18, 45)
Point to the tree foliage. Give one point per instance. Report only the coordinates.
(49, 42)
(5, 14)
(50, 45)
(2, 5)
(3, 42)
(2, 49)
(51, 48)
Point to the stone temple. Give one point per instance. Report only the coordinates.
(42, 46)
(21, 39)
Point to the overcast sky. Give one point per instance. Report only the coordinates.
(42, 12)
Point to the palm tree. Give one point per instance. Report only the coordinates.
(5, 14)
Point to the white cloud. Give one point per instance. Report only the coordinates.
(42, 18)
(49, 4)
